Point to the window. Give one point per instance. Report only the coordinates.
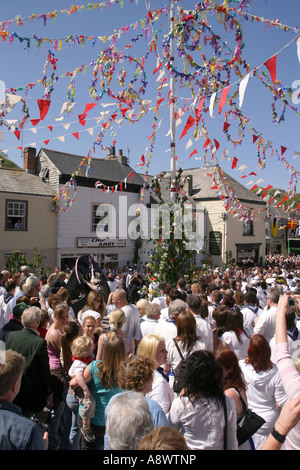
(248, 227)
(16, 215)
(101, 218)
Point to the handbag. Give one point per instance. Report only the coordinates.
(248, 424)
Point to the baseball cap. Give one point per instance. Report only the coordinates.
(19, 309)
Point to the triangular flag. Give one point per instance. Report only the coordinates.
(46, 142)
(199, 108)
(189, 144)
(193, 153)
(211, 104)
(298, 47)
(271, 65)
(44, 107)
(50, 128)
(254, 187)
(76, 134)
(34, 122)
(283, 149)
(223, 98)
(143, 160)
(158, 66)
(216, 144)
(234, 162)
(242, 89)
(81, 118)
(88, 107)
(207, 142)
(255, 137)
(11, 101)
(190, 122)
(17, 134)
(226, 126)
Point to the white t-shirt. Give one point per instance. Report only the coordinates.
(132, 324)
(161, 392)
(148, 326)
(240, 349)
(202, 423)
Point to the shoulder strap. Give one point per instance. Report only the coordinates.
(242, 400)
(178, 349)
(225, 415)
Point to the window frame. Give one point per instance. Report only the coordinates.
(94, 222)
(24, 217)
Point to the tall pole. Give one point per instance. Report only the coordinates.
(172, 101)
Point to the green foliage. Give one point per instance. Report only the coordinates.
(170, 259)
(15, 261)
(35, 264)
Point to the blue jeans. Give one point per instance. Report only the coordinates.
(75, 434)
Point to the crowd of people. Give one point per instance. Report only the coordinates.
(107, 377)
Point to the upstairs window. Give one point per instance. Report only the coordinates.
(101, 218)
(16, 215)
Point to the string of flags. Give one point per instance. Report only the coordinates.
(209, 91)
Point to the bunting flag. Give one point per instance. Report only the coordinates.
(190, 122)
(242, 89)
(44, 107)
(234, 162)
(10, 102)
(271, 65)
(211, 104)
(193, 152)
(223, 98)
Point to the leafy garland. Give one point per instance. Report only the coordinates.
(169, 258)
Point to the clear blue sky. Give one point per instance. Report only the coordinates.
(21, 66)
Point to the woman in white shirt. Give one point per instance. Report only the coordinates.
(153, 346)
(199, 412)
(265, 392)
(235, 336)
(186, 340)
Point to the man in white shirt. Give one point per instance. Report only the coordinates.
(132, 324)
(203, 329)
(250, 311)
(149, 325)
(112, 282)
(162, 299)
(265, 324)
(167, 328)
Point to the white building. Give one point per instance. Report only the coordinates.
(103, 215)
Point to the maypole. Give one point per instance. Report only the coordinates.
(172, 101)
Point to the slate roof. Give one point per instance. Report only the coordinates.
(101, 169)
(21, 182)
(203, 182)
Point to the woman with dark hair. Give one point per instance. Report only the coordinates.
(186, 341)
(234, 385)
(219, 317)
(265, 392)
(235, 336)
(199, 412)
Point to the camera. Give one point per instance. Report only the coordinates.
(292, 302)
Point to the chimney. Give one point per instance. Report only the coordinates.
(29, 163)
(188, 184)
(121, 158)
